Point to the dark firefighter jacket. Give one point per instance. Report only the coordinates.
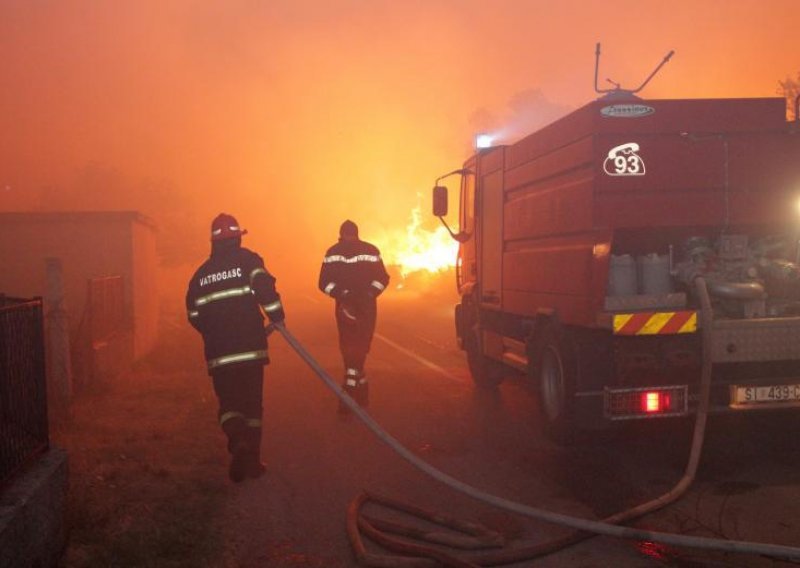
(353, 268)
(224, 303)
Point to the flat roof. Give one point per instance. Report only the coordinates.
(125, 216)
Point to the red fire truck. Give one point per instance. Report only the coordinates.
(580, 243)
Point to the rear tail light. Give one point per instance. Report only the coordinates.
(648, 402)
(654, 401)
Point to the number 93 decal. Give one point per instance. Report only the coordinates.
(623, 160)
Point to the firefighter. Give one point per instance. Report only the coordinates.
(227, 299)
(353, 274)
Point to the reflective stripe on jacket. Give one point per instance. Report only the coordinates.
(226, 301)
(353, 265)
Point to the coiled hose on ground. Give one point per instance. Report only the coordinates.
(585, 527)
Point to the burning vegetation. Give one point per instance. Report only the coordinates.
(419, 249)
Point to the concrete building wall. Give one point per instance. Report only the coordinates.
(144, 288)
(90, 245)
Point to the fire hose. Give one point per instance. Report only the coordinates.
(608, 527)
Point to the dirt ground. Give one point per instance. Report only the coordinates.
(148, 469)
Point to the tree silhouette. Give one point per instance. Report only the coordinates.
(790, 89)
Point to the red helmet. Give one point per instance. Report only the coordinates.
(225, 226)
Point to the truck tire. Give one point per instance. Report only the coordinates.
(486, 373)
(553, 368)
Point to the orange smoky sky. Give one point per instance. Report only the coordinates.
(295, 115)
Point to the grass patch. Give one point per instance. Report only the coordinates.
(148, 479)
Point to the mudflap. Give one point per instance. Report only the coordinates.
(589, 415)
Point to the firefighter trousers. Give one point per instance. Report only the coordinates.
(355, 335)
(239, 389)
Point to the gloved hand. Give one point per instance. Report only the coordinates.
(273, 325)
(348, 313)
(346, 306)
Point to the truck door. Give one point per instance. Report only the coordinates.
(467, 252)
(491, 237)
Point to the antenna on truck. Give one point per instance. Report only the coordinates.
(618, 90)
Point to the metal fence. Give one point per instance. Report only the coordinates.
(105, 304)
(103, 320)
(23, 386)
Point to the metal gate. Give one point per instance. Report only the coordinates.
(23, 391)
(103, 320)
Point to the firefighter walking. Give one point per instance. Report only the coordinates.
(353, 274)
(226, 301)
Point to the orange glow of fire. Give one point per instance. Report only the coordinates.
(418, 249)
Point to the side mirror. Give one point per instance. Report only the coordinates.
(440, 201)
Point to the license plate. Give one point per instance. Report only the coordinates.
(774, 393)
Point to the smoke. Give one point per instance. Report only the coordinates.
(525, 112)
(294, 116)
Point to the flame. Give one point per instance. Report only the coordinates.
(418, 249)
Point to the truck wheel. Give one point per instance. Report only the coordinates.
(486, 373)
(553, 369)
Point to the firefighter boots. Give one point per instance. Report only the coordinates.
(245, 462)
(254, 467)
(362, 392)
(348, 388)
(239, 462)
(355, 385)
(235, 429)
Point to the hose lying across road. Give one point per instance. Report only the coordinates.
(608, 526)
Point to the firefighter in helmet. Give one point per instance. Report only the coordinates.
(227, 299)
(353, 274)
